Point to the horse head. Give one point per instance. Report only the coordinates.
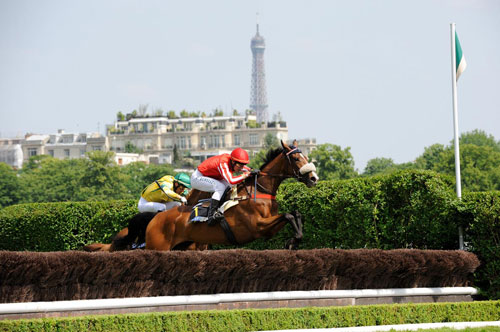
(299, 165)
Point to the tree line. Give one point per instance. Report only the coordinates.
(97, 177)
(479, 162)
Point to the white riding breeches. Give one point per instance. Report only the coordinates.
(145, 206)
(204, 183)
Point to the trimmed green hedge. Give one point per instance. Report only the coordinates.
(267, 319)
(479, 215)
(409, 209)
(62, 226)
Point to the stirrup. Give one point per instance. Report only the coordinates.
(216, 217)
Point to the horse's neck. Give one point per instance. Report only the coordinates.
(275, 168)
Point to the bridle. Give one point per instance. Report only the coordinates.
(298, 173)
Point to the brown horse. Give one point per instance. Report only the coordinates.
(136, 229)
(255, 216)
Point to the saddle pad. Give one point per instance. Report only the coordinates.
(199, 212)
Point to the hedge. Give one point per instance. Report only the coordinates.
(479, 215)
(410, 209)
(267, 319)
(62, 226)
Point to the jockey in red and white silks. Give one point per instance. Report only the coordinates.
(218, 172)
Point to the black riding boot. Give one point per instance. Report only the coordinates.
(213, 214)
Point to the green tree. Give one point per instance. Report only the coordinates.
(51, 180)
(271, 141)
(479, 161)
(120, 116)
(431, 157)
(379, 166)
(172, 115)
(479, 138)
(479, 166)
(177, 157)
(218, 112)
(131, 148)
(102, 178)
(9, 186)
(184, 114)
(333, 162)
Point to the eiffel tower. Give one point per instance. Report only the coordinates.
(258, 97)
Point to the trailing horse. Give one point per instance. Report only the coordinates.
(255, 216)
(133, 236)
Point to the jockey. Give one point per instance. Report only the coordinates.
(217, 173)
(165, 193)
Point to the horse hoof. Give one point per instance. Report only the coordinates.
(292, 244)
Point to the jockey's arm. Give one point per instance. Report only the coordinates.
(172, 195)
(229, 176)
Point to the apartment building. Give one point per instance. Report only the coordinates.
(62, 145)
(154, 139)
(11, 152)
(198, 138)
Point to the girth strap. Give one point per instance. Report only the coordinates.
(229, 233)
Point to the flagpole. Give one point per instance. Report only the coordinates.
(455, 126)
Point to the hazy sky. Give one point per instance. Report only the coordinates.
(371, 75)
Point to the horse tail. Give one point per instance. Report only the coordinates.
(136, 232)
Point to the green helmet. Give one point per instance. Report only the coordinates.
(183, 179)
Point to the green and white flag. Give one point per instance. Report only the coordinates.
(460, 59)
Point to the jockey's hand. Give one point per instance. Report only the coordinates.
(254, 172)
(184, 200)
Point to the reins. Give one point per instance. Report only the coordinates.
(267, 193)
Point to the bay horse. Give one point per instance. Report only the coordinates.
(135, 231)
(255, 216)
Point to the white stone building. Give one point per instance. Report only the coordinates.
(198, 138)
(63, 145)
(11, 152)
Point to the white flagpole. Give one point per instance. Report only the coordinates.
(455, 126)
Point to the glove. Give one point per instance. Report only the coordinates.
(254, 172)
(184, 200)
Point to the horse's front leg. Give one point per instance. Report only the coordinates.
(295, 219)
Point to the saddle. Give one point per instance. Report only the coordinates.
(199, 212)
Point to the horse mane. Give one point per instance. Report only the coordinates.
(271, 154)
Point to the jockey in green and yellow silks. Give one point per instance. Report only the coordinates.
(165, 193)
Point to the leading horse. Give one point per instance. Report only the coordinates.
(255, 216)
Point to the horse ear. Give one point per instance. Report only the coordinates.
(284, 145)
(295, 143)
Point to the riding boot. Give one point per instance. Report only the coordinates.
(213, 214)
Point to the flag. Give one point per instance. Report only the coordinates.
(460, 59)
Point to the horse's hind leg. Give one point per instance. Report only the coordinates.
(160, 233)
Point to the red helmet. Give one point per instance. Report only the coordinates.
(239, 155)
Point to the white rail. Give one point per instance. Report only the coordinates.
(137, 302)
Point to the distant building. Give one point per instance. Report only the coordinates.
(63, 145)
(197, 138)
(11, 152)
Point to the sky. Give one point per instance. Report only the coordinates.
(374, 76)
